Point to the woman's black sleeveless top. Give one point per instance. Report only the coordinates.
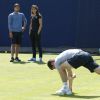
(35, 23)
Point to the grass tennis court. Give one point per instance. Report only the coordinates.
(32, 81)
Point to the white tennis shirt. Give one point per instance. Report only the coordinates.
(64, 56)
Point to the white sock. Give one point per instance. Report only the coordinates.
(65, 84)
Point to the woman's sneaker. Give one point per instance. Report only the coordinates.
(32, 59)
(40, 60)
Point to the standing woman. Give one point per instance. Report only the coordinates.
(35, 32)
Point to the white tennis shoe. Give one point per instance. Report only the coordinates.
(64, 91)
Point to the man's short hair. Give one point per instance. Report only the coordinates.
(16, 4)
(49, 64)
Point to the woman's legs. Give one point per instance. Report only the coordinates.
(36, 42)
(39, 46)
(33, 41)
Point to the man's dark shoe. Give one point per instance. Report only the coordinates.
(17, 59)
(12, 59)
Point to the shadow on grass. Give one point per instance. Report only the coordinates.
(40, 63)
(74, 95)
(21, 62)
(24, 62)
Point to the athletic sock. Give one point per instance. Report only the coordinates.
(65, 85)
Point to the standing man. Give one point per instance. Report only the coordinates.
(17, 25)
(72, 58)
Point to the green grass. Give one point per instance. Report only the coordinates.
(32, 81)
